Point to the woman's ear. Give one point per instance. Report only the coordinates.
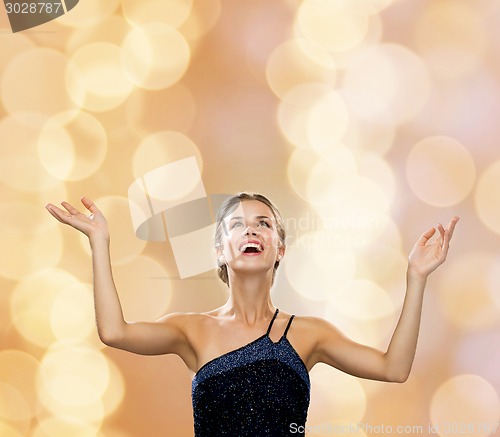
(219, 253)
(281, 253)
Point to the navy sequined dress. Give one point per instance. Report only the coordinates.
(260, 389)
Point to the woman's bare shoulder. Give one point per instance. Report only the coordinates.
(314, 326)
(189, 320)
(309, 321)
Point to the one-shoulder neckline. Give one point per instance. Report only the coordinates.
(248, 344)
(244, 346)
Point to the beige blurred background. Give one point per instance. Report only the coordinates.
(366, 121)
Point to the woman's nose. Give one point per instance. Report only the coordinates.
(249, 231)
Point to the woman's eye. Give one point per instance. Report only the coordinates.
(263, 222)
(236, 224)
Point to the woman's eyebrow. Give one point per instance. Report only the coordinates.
(257, 217)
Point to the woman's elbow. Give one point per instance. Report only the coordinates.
(111, 338)
(396, 371)
(398, 377)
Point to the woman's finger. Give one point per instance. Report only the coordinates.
(58, 213)
(425, 237)
(442, 234)
(90, 205)
(70, 208)
(449, 233)
(441, 229)
(51, 209)
(451, 226)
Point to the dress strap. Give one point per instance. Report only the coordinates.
(272, 321)
(288, 326)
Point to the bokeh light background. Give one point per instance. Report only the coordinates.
(367, 121)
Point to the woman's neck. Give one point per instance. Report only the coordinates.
(249, 298)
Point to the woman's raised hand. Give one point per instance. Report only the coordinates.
(427, 255)
(92, 225)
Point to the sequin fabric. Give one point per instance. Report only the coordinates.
(260, 389)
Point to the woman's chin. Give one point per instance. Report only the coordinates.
(251, 266)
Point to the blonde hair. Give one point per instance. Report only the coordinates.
(227, 207)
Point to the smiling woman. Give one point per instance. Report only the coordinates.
(227, 220)
(250, 362)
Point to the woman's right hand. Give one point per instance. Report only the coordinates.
(93, 225)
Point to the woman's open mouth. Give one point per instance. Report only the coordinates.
(251, 248)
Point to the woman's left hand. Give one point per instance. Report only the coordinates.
(427, 255)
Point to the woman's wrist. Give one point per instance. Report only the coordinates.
(99, 239)
(414, 274)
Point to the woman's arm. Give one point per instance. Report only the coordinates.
(161, 337)
(394, 365)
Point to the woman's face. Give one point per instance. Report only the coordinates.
(250, 241)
